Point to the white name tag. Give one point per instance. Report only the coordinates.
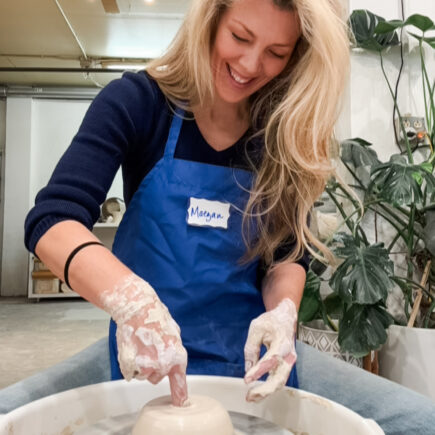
(205, 213)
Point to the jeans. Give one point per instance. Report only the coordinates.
(396, 409)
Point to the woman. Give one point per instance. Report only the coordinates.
(224, 148)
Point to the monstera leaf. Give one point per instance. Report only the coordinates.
(357, 152)
(388, 26)
(311, 301)
(364, 276)
(421, 22)
(334, 306)
(427, 39)
(399, 182)
(363, 24)
(363, 328)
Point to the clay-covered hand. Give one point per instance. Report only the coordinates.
(276, 330)
(148, 338)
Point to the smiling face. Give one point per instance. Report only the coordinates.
(253, 44)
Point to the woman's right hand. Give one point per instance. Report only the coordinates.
(148, 338)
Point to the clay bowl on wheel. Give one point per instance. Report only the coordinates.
(200, 415)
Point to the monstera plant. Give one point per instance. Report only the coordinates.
(399, 194)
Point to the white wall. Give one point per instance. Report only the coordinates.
(414, 80)
(54, 123)
(37, 134)
(371, 104)
(2, 162)
(17, 187)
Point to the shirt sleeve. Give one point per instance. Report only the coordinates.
(117, 120)
(284, 250)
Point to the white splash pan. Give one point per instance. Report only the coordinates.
(295, 410)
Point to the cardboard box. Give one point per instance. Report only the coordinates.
(46, 286)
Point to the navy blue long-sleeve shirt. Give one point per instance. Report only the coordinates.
(126, 125)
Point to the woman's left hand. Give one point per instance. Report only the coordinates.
(276, 330)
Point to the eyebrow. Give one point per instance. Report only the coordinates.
(252, 34)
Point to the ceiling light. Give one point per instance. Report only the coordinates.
(129, 66)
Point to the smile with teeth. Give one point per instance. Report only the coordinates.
(237, 78)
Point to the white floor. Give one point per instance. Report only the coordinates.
(36, 335)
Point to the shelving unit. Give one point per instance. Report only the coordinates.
(31, 294)
(105, 232)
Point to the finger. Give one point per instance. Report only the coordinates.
(126, 358)
(126, 365)
(175, 326)
(155, 377)
(274, 382)
(144, 373)
(126, 373)
(265, 365)
(253, 345)
(291, 358)
(178, 385)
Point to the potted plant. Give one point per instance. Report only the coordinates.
(392, 212)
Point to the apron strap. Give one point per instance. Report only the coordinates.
(174, 132)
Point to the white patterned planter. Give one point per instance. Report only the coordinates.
(325, 340)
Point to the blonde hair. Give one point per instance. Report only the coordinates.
(295, 112)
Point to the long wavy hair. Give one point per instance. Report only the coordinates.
(294, 113)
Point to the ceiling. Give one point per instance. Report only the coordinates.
(76, 34)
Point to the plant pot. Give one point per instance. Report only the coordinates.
(408, 358)
(317, 335)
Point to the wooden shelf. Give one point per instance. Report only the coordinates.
(53, 295)
(105, 232)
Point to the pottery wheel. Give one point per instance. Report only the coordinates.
(243, 424)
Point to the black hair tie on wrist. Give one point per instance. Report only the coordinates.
(71, 256)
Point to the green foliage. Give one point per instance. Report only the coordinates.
(363, 24)
(401, 191)
(363, 328)
(400, 183)
(374, 33)
(334, 306)
(428, 40)
(357, 151)
(429, 231)
(314, 307)
(364, 275)
(311, 300)
(421, 22)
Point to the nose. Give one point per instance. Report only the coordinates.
(251, 62)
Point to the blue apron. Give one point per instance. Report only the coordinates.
(195, 270)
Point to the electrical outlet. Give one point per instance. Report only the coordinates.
(415, 129)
